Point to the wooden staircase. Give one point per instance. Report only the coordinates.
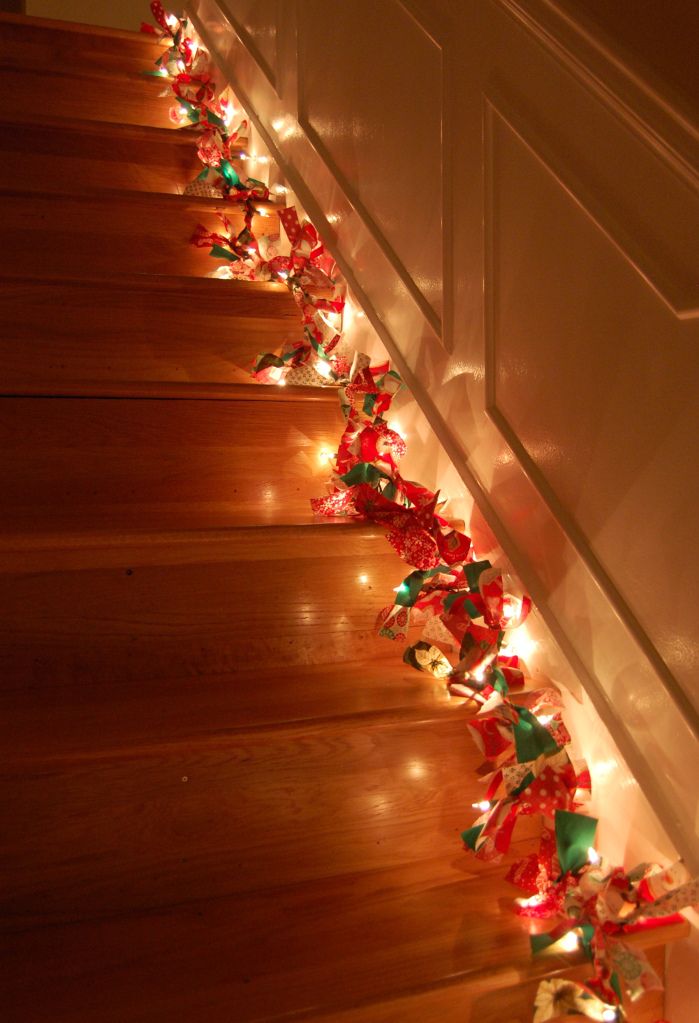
(224, 797)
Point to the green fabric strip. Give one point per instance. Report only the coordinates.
(575, 833)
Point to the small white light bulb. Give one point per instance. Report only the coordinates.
(570, 941)
(323, 369)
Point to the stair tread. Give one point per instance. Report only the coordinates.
(133, 334)
(109, 232)
(301, 950)
(32, 24)
(203, 818)
(185, 138)
(227, 449)
(78, 155)
(179, 390)
(91, 721)
(122, 96)
(266, 955)
(194, 603)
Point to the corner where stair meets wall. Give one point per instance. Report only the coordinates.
(226, 798)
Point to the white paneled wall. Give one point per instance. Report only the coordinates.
(517, 211)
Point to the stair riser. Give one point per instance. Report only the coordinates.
(482, 1000)
(255, 811)
(109, 235)
(265, 956)
(138, 333)
(182, 608)
(100, 463)
(62, 160)
(59, 46)
(128, 98)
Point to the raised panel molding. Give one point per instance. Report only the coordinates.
(438, 319)
(237, 14)
(497, 119)
(659, 261)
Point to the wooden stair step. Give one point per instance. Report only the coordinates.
(505, 993)
(47, 44)
(309, 951)
(69, 155)
(83, 461)
(111, 232)
(136, 329)
(147, 606)
(43, 723)
(166, 823)
(267, 954)
(126, 97)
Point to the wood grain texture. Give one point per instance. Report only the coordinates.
(275, 955)
(193, 604)
(124, 97)
(82, 155)
(52, 45)
(111, 233)
(81, 462)
(263, 955)
(137, 329)
(504, 994)
(227, 798)
(76, 721)
(169, 823)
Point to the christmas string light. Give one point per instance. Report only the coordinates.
(471, 613)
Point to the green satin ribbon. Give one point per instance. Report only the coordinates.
(531, 737)
(575, 833)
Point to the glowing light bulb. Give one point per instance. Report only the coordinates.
(324, 455)
(171, 20)
(280, 189)
(593, 857)
(400, 589)
(533, 900)
(278, 123)
(609, 1014)
(323, 369)
(363, 579)
(282, 274)
(397, 428)
(281, 383)
(484, 805)
(544, 719)
(262, 212)
(569, 942)
(163, 72)
(251, 250)
(180, 65)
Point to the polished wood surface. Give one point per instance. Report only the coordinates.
(114, 232)
(207, 331)
(86, 155)
(193, 604)
(227, 798)
(78, 460)
(123, 97)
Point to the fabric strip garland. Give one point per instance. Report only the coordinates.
(453, 611)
